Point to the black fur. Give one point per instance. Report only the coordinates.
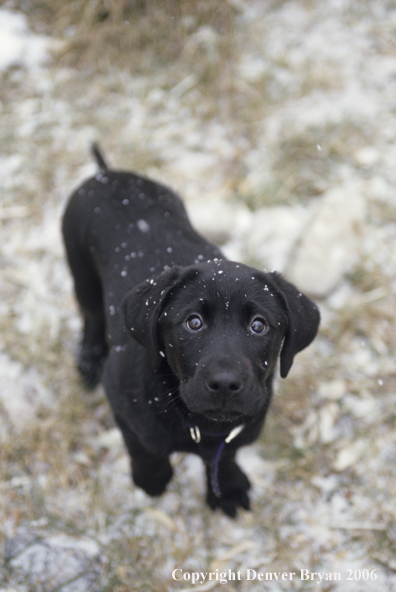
(145, 282)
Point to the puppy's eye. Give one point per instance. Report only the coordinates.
(194, 323)
(258, 326)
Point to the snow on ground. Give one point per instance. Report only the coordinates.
(18, 45)
(258, 127)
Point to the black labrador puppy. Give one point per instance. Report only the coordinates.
(188, 341)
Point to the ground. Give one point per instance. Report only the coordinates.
(252, 105)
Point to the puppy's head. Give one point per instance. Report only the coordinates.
(220, 326)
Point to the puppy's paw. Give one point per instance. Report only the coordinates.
(234, 487)
(152, 477)
(230, 502)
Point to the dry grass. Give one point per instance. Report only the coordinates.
(131, 35)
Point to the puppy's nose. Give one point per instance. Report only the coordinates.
(223, 383)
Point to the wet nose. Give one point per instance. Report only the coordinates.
(224, 383)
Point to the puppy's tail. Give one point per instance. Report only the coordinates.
(98, 157)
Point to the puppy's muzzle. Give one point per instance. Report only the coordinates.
(223, 384)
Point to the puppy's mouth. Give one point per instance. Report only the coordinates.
(222, 415)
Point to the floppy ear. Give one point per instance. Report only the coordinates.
(304, 319)
(142, 307)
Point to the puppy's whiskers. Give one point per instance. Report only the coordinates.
(280, 410)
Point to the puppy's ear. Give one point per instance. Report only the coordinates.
(304, 319)
(142, 307)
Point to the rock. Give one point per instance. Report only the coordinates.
(109, 439)
(367, 156)
(333, 390)
(348, 455)
(328, 415)
(330, 245)
(58, 561)
(273, 233)
(219, 220)
(22, 393)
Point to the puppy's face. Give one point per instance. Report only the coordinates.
(220, 326)
(222, 332)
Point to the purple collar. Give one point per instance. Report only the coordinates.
(214, 467)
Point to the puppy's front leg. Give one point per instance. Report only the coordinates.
(93, 351)
(227, 485)
(150, 472)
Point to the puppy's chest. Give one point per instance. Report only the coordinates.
(185, 436)
(183, 439)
